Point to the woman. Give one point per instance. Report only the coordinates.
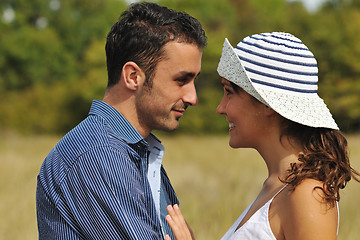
(271, 103)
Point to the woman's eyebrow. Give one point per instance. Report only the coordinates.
(225, 83)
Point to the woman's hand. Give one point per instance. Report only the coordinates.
(178, 225)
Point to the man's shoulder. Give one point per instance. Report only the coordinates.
(85, 135)
(91, 134)
(89, 140)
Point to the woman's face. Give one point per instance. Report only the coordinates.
(245, 115)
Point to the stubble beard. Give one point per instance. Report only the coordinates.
(152, 117)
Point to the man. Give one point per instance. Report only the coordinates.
(104, 179)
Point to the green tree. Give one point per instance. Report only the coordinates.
(335, 35)
(44, 61)
(52, 59)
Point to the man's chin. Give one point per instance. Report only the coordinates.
(169, 128)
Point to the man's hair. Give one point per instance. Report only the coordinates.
(141, 33)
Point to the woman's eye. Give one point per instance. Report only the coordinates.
(227, 91)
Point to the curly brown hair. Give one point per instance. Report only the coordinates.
(324, 158)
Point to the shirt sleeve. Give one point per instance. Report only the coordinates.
(105, 196)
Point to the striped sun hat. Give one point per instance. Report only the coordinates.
(281, 72)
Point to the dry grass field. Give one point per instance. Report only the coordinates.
(214, 183)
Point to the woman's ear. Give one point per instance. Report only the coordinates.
(268, 111)
(133, 76)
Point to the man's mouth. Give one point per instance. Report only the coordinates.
(179, 112)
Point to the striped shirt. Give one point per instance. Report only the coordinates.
(93, 184)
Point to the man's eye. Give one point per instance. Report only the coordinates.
(182, 81)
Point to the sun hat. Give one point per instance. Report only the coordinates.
(281, 72)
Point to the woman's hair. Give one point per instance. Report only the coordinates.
(324, 158)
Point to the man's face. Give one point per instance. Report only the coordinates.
(172, 90)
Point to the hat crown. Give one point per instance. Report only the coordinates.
(279, 60)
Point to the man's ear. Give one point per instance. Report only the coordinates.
(133, 76)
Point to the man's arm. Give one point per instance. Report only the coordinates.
(105, 197)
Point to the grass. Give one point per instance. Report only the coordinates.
(214, 183)
(20, 160)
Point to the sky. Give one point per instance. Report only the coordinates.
(311, 5)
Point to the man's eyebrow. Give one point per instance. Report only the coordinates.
(187, 75)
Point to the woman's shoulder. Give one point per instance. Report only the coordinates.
(309, 196)
(308, 190)
(305, 212)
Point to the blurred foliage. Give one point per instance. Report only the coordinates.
(52, 57)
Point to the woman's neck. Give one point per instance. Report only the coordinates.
(278, 155)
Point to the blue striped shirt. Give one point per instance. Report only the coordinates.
(93, 184)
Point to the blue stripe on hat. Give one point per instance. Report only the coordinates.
(283, 87)
(282, 38)
(281, 44)
(277, 68)
(276, 59)
(280, 51)
(280, 77)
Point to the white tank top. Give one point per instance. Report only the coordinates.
(257, 227)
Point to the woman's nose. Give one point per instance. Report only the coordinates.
(220, 108)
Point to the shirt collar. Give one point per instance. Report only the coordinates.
(116, 121)
(155, 145)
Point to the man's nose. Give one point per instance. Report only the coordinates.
(190, 96)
